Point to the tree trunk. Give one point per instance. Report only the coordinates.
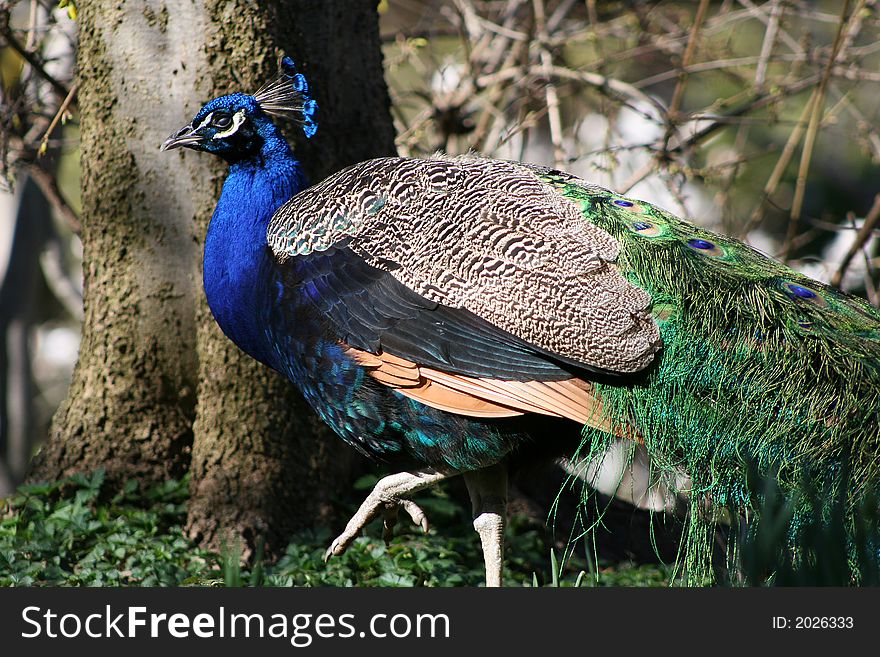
(131, 402)
(263, 465)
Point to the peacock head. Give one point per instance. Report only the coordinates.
(237, 126)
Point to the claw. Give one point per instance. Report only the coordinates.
(386, 498)
(416, 514)
(340, 543)
(336, 548)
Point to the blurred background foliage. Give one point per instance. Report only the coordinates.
(759, 119)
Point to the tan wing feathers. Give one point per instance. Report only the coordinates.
(480, 397)
(478, 388)
(364, 358)
(393, 381)
(536, 393)
(387, 369)
(454, 401)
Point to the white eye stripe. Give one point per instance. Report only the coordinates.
(204, 122)
(237, 120)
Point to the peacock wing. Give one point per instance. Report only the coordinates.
(444, 357)
(486, 237)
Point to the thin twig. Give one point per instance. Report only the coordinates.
(49, 186)
(812, 133)
(794, 139)
(678, 92)
(859, 242)
(638, 176)
(866, 129)
(559, 15)
(623, 91)
(786, 38)
(767, 45)
(30, 58)
(32, 27)
(698, 136)
(494, 95)
(762, 100)
(552, 97)
(44, 142)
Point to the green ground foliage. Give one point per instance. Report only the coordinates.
(74, 533)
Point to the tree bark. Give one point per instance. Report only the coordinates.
(263, 465)
(131, 402)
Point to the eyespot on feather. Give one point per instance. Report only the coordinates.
(797, 292)
(626, 204)
(707, 248)
(646, 229)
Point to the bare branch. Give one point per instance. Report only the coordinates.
(858, 244)
(813, 131)
(44, 142)
(49, 186)
(28, 56)
(550, 94)
(768, 43)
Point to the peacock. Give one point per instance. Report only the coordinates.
(460, 315)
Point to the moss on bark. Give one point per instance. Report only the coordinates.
(131, 402)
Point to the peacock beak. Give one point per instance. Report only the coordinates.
(185, 137)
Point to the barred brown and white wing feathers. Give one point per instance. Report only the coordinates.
(487, 236)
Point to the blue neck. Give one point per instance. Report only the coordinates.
(237, 269)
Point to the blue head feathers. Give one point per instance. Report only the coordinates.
(237, 126)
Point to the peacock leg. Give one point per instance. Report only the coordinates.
(488, 491)
(387, 496)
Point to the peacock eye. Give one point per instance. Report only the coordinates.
(222, 121)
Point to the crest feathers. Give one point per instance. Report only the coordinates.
(288, 96)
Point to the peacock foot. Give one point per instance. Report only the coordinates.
(387, 497)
